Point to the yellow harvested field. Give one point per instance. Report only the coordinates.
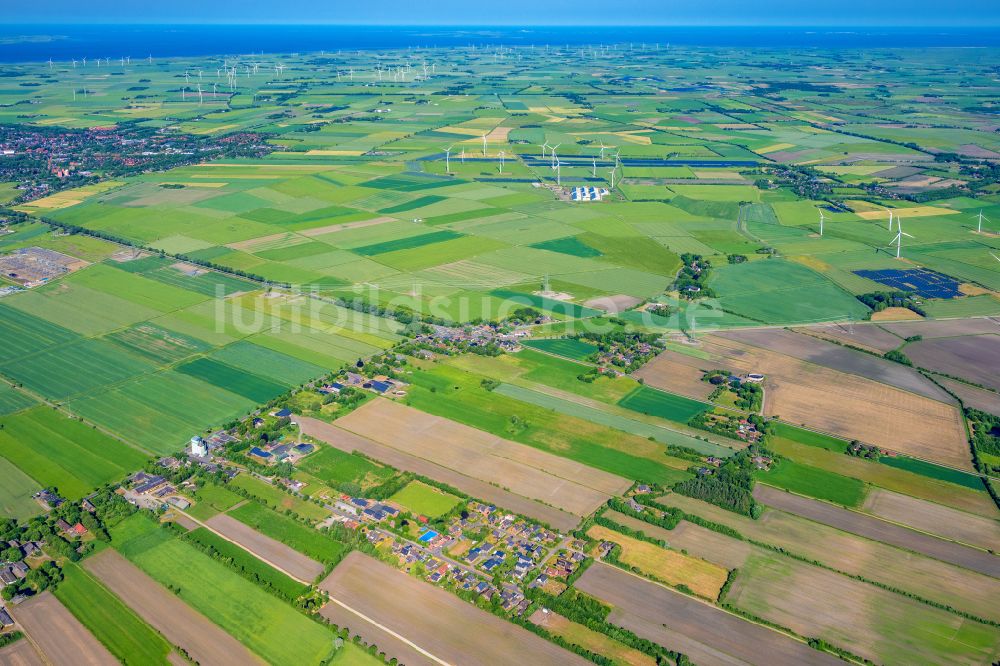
(916, 211)
(895, 314)
(860, 206)
(69, 198)
(700, 576)
(694, 539)
(934, 518)
(775, 147)
(213, 129)
(467, 131)
(284, 239)
(524, 470)
(849, 405)
(589, 639)
(498, 135)
(973, 289)
(335, 153)
(319, 231)
(196, 184)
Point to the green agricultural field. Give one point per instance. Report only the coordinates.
(459, 395)
(334, 467)
(605, 415)
(778, 292)
(56, 451)
(278, 499)
(306, 540)
(16, 492)
(113, 623)
(13, 400)
(158, 344)
(421, 499)
(668, 406)
(257, 619)
(162, 411)
(250, 564)
(211, 499)
(816, 482)
(247, 384)
(568, 347)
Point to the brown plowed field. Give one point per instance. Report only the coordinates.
(934, 518)
(179, 623)
(857, 556)
(677, 373)
(526, 471)
(850, 406)
(866, 336)
(349, 442)
(713, 635)
(20, 653)
(943, 329)
(975, 357)
(438, 621)
(392, 646)
(60, 636)
(879, 530)
(274, 552)
(829, 355)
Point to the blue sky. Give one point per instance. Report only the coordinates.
(516, 12)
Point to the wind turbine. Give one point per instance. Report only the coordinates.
(50, 63)
(501, 161)
(484, 144)
(981, 218)
(821, 220)
(447, 157)
(613, 169)
(594, 173)
(552, 153)
(543, 147)
(74, 63)
(199, 95)
(463, 156)
(898, 240)
(890, 219)
(603, 148)
(558, 168)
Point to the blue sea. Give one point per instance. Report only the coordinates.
(24, 43)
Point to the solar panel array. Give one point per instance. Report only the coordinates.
(921, 281)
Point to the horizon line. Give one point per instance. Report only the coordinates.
(602, 25)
